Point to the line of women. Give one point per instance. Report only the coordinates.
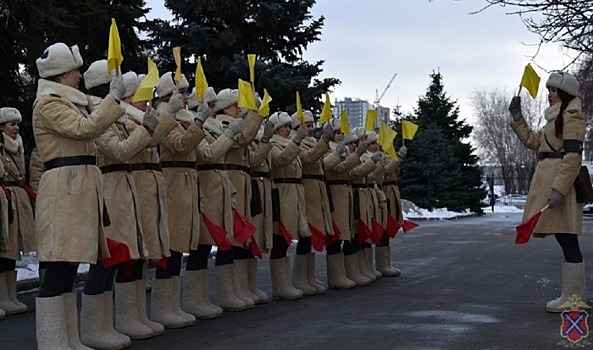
(123, 185)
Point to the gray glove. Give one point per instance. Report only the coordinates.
(300, 135)
(268, 132)
(175, 103)
(117, 88)
(341, 149)
(376, 157)
(361, 148)
(257, 101)
(234, 128)
(328, 133)
(515, 108)
(384, 160)
(403, 151)
(556, 198)
(150, 120)
(203, 112)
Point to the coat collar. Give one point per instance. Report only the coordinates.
(184, 116)
(47, 88)
(573, 106)
(280, 140)
(13, 145)
(132, 112)
(309, 142)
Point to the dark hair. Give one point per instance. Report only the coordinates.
(559, 123)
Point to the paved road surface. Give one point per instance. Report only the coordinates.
(465, 285)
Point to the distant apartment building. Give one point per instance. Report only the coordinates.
(357, 111)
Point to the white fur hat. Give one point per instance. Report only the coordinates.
(359, 132)
(192, 101)
(131, 83)
(167, 85)
(225, 98)
(563, 81)
(97, 74)
(336, 123)
(371, 136)
(279, 119)
(350, 137)
(208, 97)
(9, 114)
(58, 59)
(295, 120)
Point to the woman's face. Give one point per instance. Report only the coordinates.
(70, 78)
(232, 111)
(338, 136)
(185, 96)
(284, 130)
(10, 128)
(212, 109)
(553, 97)
(351, 146)
(310, 128)
(373, 147)
(141, 105)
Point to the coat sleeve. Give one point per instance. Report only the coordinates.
(184, 142)
(110, 144)
(285, 156)
(63, 118)
(250, 128)
(36, 169)
(166, 124)
(363, 169)
(213, 152)
(392, 166)
(574, 129)
(259, 153)
(313, 154)
(530, 139)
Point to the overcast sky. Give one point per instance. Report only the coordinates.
(364, 43)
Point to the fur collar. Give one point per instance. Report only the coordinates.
(13, 145)
(47, 88)
(213, 126)
(573, 106)
(225, 120)
(280, 140)
(184, 116)
(333, 145)
(309, 142)
(132, 112)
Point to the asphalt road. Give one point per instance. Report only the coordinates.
(465, 285)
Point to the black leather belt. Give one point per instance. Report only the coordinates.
(392, 182)
(288, 180)
(70, 161)
(337, 182)
(111, 168)
(544, 155)
(178, 164)
(359, 186)
(313, 177)
(260, 174)
(12, 183)
(146, 166)
(202, 167)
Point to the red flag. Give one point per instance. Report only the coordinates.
(218, 234)
(363, 232)
(331, 239)
(119, 252)
(287, 235)
(242, 228)
(392, 226)
(162, 263)
(408, 225)
(317, 238)
(254, 248)
(377, 231)
(525, 230)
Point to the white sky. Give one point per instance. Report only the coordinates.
(365, 43)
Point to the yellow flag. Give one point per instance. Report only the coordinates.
(385, 140)
(264, 108)
(177, 57)
(326, 112)
(201, 83)
(344, 123)
(299, 107)
(251, 61)
(408, 130)
(246, 96)
(147, 85)
(371, 120)
(114, 57)
(530, 80)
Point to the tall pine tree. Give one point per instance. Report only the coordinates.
(441, 170)
(223, 32)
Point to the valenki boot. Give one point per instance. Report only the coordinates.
(242, 274)
(363, 265)
(573, 284)
(282, 288)
(227, 299)
(12, 294)
(162, 305)
(353, 271)
(109, 320)
(369, 259)
(299, 278)
(336, 278)
(50, 318)
(205, 282)
(320, 288)
(192, 298)
(93, 332)
(71, 313)
(237, 288)
(383, 260)
(253, 284)
(127, 320)
(6, 303)
(176, 301)
(157, 328)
